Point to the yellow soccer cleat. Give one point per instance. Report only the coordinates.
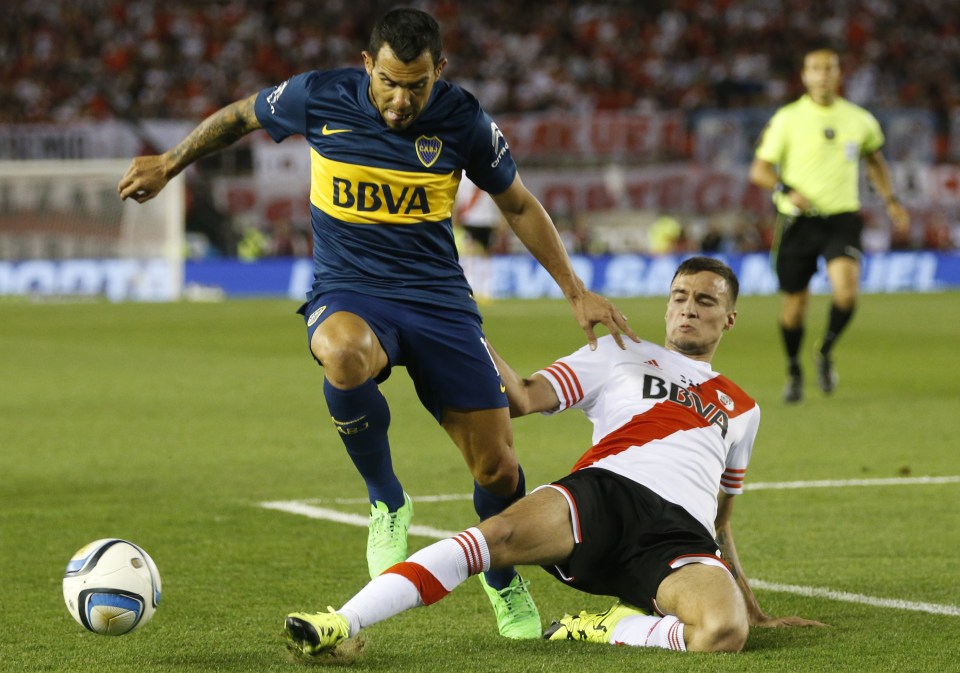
(313, 634)
(593, 627)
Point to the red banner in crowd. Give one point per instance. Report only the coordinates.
(280, 187)
(598, 136)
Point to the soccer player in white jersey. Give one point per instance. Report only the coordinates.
(645, 514)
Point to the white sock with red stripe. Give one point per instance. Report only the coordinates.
(423, 579)
(649, 631)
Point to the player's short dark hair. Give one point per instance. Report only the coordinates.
(700, 263)
(408, 32)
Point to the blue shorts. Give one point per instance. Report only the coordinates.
(444, 351)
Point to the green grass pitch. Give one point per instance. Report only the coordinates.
(168, 424)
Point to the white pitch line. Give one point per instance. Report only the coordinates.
(759, 486)
(306, 509)
(450, 497)
(817, 592)
(840, 483)
(312, 511)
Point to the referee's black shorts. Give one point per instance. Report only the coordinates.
(628, 538)
(802, 239)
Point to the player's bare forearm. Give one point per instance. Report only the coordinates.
(147, 175)
(728, 550)
(878, 172)
(763, 174)
(526, 396)
(589, 308)
(533, 226)
(221, 129)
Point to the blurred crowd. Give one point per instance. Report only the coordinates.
(66, 59)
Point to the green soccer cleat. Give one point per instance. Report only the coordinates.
(387, 540)
(314, 634)
(594, 627)
(517, 615)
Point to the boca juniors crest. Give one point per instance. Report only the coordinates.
(428, 149)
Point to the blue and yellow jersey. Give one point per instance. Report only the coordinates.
(381, 201)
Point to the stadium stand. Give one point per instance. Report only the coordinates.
(64, 59)
(68, 61)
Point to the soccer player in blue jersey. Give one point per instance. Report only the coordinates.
(388, 144)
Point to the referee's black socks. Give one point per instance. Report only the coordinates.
(838, 322)
(792, 338)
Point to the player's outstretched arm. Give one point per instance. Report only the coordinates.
(729, 551)
(526, 396)
(147, 175)
(533, 226)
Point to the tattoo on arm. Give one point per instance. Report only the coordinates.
(219, 130)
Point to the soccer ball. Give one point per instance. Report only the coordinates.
(111, 587)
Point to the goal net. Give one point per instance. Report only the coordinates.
(64, 232)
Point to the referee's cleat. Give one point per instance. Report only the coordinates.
(827, 377)
(316, 633)
(517, 615)
(793, 391)
(387, 537)
(593, 627)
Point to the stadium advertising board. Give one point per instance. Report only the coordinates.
(520, 276)
(113, 279)
(512, 276)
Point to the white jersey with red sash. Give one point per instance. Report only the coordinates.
(660, 419)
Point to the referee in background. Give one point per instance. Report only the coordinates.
(809, 157)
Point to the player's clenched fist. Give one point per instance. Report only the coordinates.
(144, 179)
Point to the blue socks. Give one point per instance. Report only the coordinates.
(488, 504)
(361, 416)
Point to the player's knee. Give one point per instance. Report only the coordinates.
(346, 364)
(346, 370)
(497, 473)
(720, 633)
(845, 301)
(793, 312)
